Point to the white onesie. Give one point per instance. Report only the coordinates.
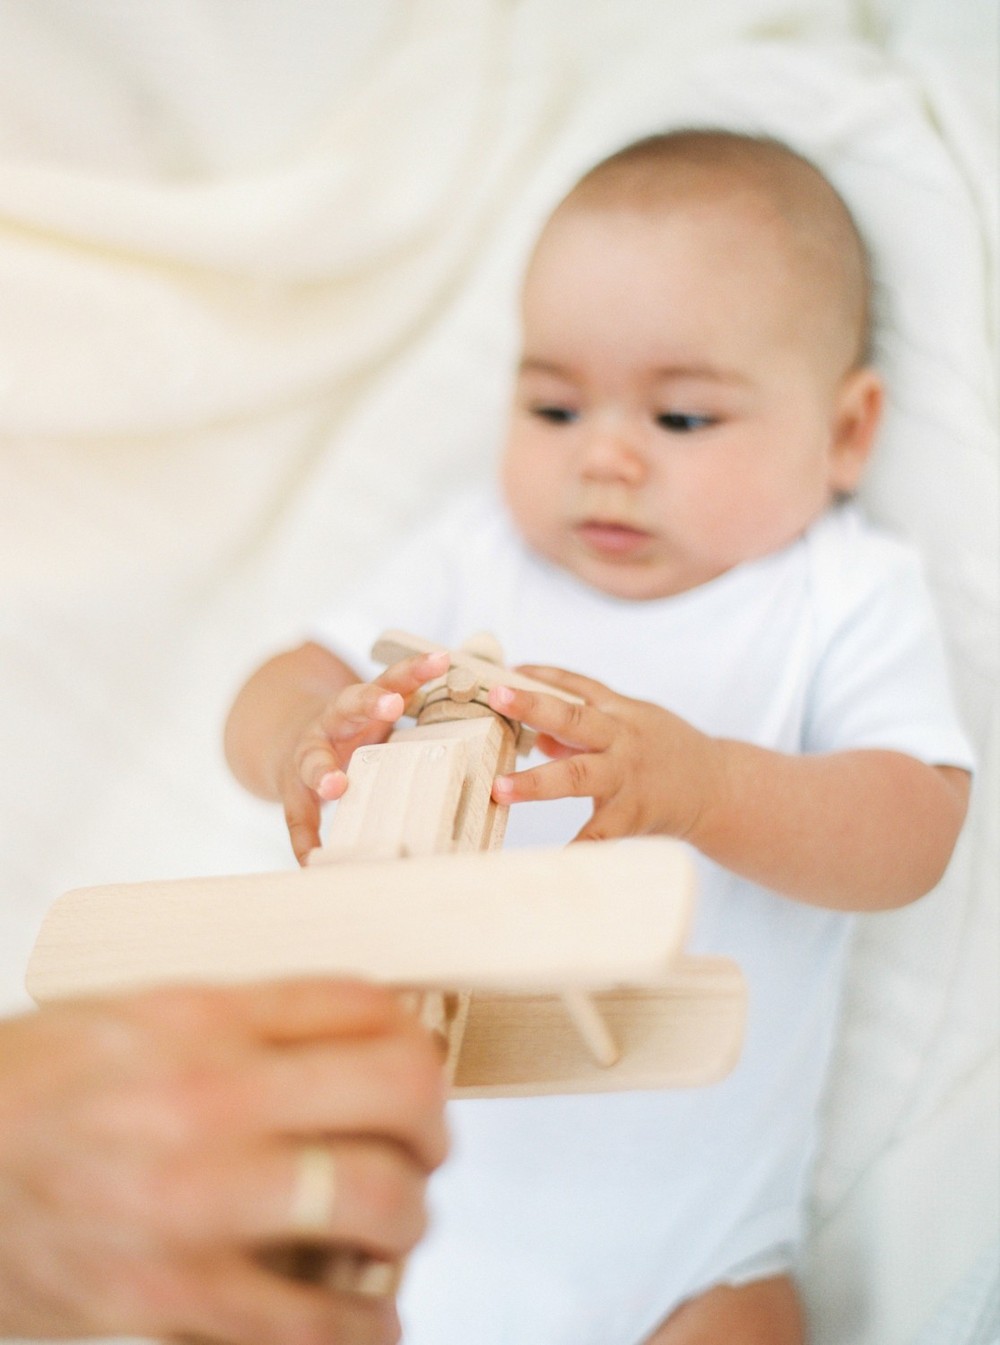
(585, 1220)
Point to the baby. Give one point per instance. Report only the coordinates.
(693, 408)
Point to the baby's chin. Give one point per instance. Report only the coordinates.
(622, 576)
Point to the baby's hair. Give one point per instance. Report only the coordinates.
(709, 161)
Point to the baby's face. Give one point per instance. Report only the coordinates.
(673, 415)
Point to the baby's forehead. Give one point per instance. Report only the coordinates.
(709, 165)
(769, 200)
(725, 230)
(713, 209)
(780, 204)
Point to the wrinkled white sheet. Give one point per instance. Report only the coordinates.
(257, 268)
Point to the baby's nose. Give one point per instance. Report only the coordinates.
(614, 453)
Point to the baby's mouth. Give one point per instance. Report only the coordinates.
(610, 538)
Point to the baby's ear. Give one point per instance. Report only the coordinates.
(857, 415)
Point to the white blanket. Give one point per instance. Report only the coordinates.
(257, 269)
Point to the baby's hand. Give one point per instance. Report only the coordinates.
(647, 770)
(357, 716)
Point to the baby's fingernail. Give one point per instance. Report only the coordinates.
(438, 660)
(389, 706)
(331, 785)
(503, 787)
(502, 696)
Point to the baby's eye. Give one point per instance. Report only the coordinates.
(679, 422)
(555, 415)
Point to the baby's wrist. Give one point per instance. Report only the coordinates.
(707, 773)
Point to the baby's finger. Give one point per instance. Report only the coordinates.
(574, 724)
(301, 817)
(552, 747)
(609, 822)
(574, 683)
(410, 674)
(315, 763)
(332, 785)
(579, 776)
(357, 708)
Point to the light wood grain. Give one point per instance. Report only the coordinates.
(684, 1034)
(591, 916)
(401, 800)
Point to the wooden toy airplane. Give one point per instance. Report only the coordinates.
(546, 971)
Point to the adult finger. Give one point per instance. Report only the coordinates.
(297, 1010)
(391, 1086)
(238, 1300)
(310, 1058)
(578, 725)
(371, 1196)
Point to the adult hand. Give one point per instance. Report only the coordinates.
(151, 1152)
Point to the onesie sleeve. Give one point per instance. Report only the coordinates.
(412, 589)
(881, 678)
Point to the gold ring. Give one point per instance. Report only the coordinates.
(315, 1189)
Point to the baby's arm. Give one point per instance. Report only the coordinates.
(293, 728)
(851, 830)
